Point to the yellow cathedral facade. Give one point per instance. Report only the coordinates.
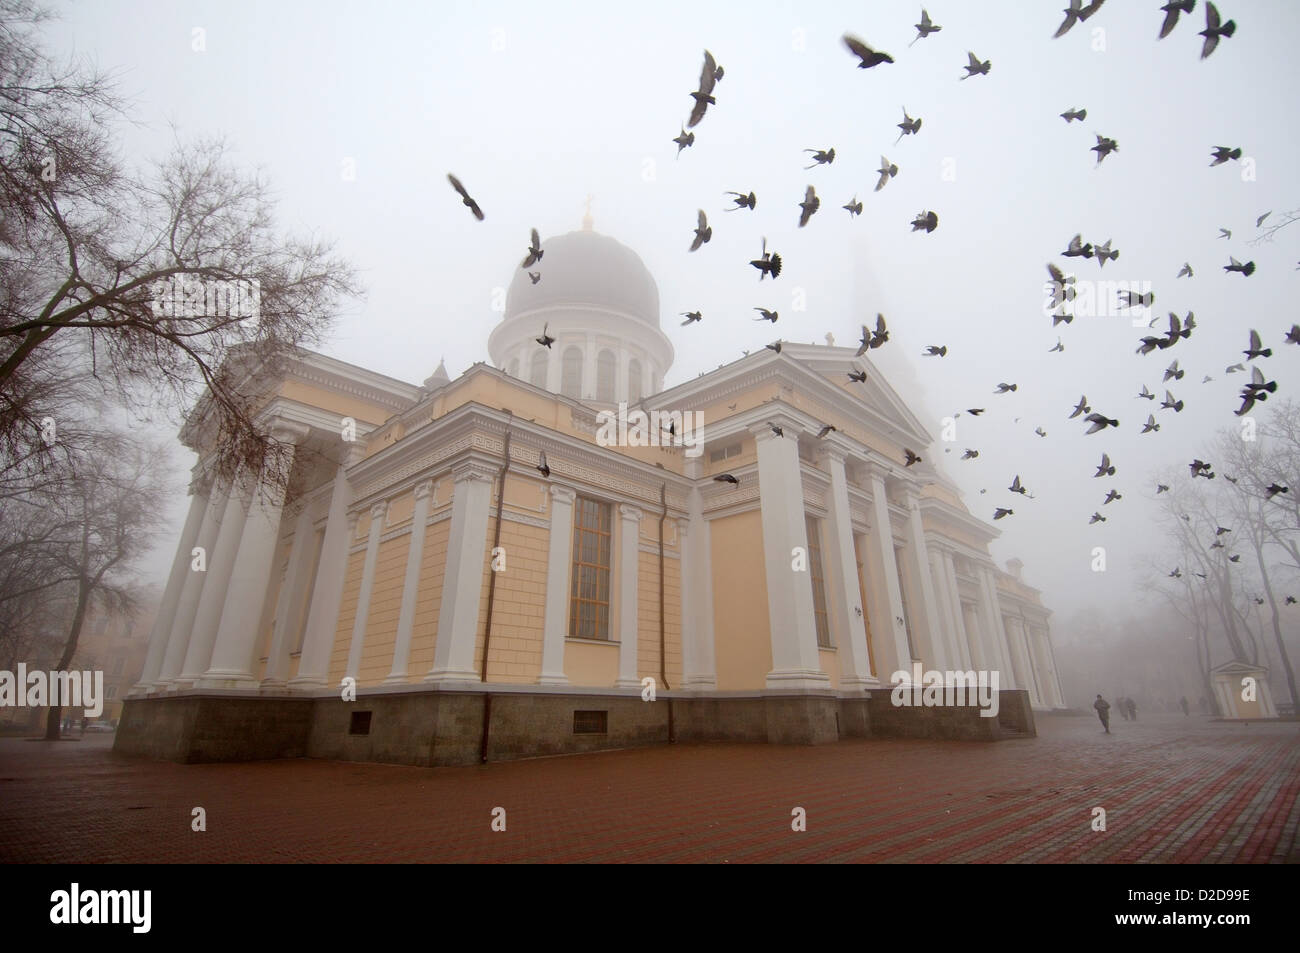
(472, 569)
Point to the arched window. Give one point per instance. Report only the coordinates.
(537, 373)
(571, 372)
(605, 376)
(633, 381)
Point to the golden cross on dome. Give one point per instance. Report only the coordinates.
(586, 219)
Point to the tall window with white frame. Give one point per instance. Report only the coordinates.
(815, 570)
(589, 602)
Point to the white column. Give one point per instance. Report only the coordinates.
(378, 512)
(947, 615)
(162, 626)
(927, 621)
(178, 640)
(699, 663)
(620, 388)
(553, 366)
(559, 564)
(792, 626)
(232, 652)
(887, 597)
(993, 629)
(629, 560)
(289, 603)
(589, 368)
(462, 582)
(974, 624)
(1023, 660)
(331, 569)
(411, 584)
(1051, 659)
(845, 593)
(962, 634)
(212, 602)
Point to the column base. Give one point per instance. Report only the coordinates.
(795, 679)
(866, 681)
(452, 677)
(545, 679)
(396, 678)
(628, 683)
(218, 678)
(700, 683)
(273, 685)
(307, 683)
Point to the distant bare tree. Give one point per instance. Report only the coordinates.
(168, 286)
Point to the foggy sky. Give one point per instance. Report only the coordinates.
(534, 106)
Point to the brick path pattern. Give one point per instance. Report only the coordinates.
(1174, 790)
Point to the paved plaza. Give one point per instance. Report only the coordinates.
(1174, 790)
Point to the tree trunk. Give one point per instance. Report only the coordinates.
(53, 719)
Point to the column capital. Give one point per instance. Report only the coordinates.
(286, 431)
(353, 519)
(470, 471)
(879, 470)
(683, 525)
(423, 489)
(378, 510)
(563, 494)
(630, 513)
(763, 432)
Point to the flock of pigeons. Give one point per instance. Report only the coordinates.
(1061, 286)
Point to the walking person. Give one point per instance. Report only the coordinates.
(1103, 712)
(1132, 709)
(1182, 703)
(1123, 706)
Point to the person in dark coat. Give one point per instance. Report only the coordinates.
(1123, 706)
(1132, 709)
(1103, 712)
(1182, 703)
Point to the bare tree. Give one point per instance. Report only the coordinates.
(168, 285)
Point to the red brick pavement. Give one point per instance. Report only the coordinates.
(1174, 790)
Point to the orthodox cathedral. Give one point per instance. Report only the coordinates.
(474, 569)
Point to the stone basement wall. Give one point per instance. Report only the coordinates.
(431, 728)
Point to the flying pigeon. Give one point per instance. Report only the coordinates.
(881, 335)
(535, 276)
(684, 140)
(743, 201)
(1213, 30)
(925, 27)
(1223, 153)
(1080, 408)
(1103, 253)
(1172, 10)
(1059, 347)
(465, 199)
(854, 207)
(1072, 114)
(1169, 403)
(887, 171)
(1000, 512)
(1040, 431)
(766, 315)
(542, 466)
(1146, 392)
(1112, 496)
(1099, 422)
(1173, 372)
(825, 430)
(858, 377)
(535, 252)
(703, 96)
(1273, 489)
(702, 231)
(975, 67)
(1016, 486)
(1259, 222)
(1161, 488)
(866, 54)
(975, 411)
(1151, 425)
(1176, 574)
(810, 204)
(820, 157)
(1096, 518)
(769, 264)
(545, 340)
(910, 457)
(1185, 270)
(774, 346)
(1256, 347)
(932, 351)
(691, 317)
(1077, 249)
(1105, 469)
(1246, 270)
(925, 220)
(909, 126)
(1004, 388)
(1225, 233)
(726, 478)
(1293, 336)
(1234, 368)
(1130, 299)
(1104, 147)
(970, 454)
